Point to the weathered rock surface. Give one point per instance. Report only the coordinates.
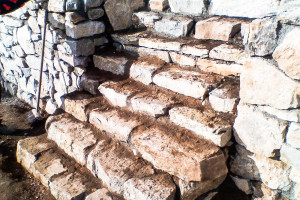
(113, 123)
(205, 123)
(162, 188)
(57, 5)
(182, 60)
(145, 19)
(158, 5)
(143, 71)
(243, 184)
(73, 137)
(85, 29)
(161, 44)
(120, 12)
(190, 7)
(103, 193)
(260, 36)
(203, 161)
(287, 54)
(292, 115)
(189, 83)
(24, 39)
(115, 64)
(219, 67)
(257, 86)
(290, 156)
(217, 28)
(174, 27)
(293, 136)
(259, 132)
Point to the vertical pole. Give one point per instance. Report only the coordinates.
(42, 60)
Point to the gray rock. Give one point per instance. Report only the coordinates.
(260, 36)
(92, 3)
(113, 64)
(84, 29)
(73, 5)
(120, 12)
(74, 17)
(57, 6)
(174, 27)
(83, 47)
(57, 20)
(95, 13)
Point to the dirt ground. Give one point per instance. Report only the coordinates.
(15, 182)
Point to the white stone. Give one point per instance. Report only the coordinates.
(189, 7)
(257, 86)
(143, 71)
(229, 53)
(57, 5)
(287, 54)
(293, 135)
(295, 175)
(174, 27)
(33, 24)
(161, 44)
(189, 83)
(196, 50)
(273, 173)
(288, 115)
(259, 132)
(24, 39)
(111, 122)
(243, 8)
(290, 156)
(203, 124)
(182, 60)
(51, 107)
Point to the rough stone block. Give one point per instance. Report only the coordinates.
(95, 13)
(259, 132)
(206, 124)
(202, 160)
(162, 188)
(219, 67)
(228, 52)
(174, 27)
(243, 184)
(116, 65)
(120, 12)
(199, 50)
(158, 5)
(57, 20)
(154, 104)
(114, 164)
(117, 125)
(226, 97)
(287, 54)
(290, 156)
(293, 136)
(182, 60)
(189, 7)
(73, 60)
(24, 39)
(71, 135)
(257, 86)
(103, 193)
(161, 44)
(260, 36)
(57, 6)
(189, 83)
(83, 47)
(145, 19)
(85, 29)
(143, 70)
(217, 28)
(163, 55)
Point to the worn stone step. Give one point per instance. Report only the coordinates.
(190, 83)
(108, 160)
(59, 174)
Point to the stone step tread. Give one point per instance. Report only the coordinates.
(61, 175)
(107, 159)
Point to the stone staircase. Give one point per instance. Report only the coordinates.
(157, 120)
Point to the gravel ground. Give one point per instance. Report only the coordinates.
(15, 182)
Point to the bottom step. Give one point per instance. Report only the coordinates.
(64, 178)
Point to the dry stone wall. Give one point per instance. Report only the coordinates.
(260, 44)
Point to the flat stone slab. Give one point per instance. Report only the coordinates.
(219, 67)
(161, 44)
(71, 135)
(189, 83)
(229, 52)
(77, 105)
(205, 123)
(225, 97)
(217, 28)
(175, 27)
(119, 126)
(115, 164)
(182, 60)
(117, 93)
(145, 19)
(162, 188)
(152, 104)
(143, 70)
(167, 149)
(116, 65)
(85, 29)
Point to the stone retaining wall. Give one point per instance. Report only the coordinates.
(267, 127)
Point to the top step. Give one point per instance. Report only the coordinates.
(171, 25)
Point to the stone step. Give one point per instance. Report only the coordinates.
(110, 161)
(62, 176)
(207, 55)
